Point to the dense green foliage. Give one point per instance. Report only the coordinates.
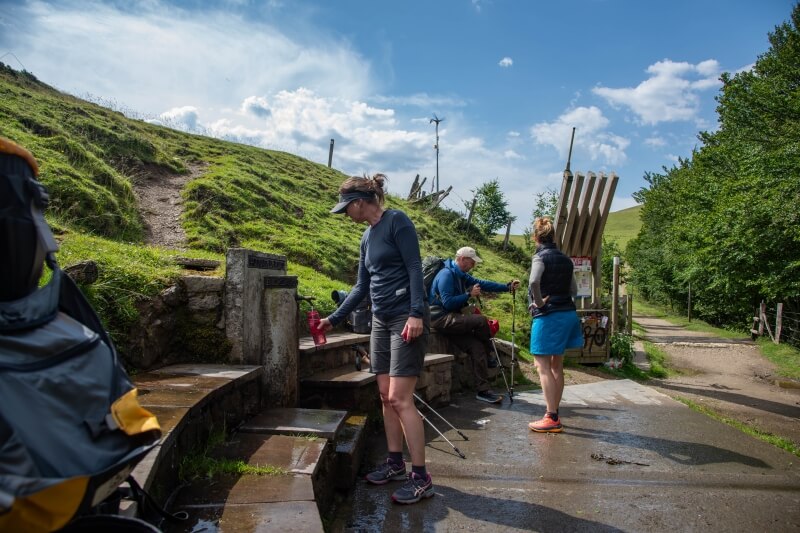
(727, 220)
(91, 159)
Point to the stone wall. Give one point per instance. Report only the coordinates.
(185, 323)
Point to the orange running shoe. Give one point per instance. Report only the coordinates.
(546, 425)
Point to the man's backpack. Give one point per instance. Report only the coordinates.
(71, 427)
(431, 265)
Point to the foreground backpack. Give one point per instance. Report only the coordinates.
(71, 427)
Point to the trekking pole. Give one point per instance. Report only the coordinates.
(500, 364)
(440, 416)
(513, 342)
(441, 434)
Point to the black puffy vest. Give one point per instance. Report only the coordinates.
(556, 280)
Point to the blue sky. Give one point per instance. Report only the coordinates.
(511, 78)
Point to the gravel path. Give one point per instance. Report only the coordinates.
(728, 376)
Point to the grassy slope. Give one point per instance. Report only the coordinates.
(275, 202)
(621, 226)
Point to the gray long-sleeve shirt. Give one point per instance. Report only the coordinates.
(390, 268)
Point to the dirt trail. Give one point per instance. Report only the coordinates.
(728, 376)
(159, 194)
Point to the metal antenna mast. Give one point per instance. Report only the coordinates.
(569, 157)
(437, 120)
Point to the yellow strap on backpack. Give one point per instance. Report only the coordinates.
(131, 417)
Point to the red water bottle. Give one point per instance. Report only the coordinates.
(313, 326)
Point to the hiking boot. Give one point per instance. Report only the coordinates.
(488, 397)
(414, 490)
(387, 472)
(546, 425)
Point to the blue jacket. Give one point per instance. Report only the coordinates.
(449, 288)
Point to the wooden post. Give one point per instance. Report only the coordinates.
(597, 278)
(762, 323)
(471, 210)
(689, 302)
(778, 323)
(508, 231)
(330, 154)
(629, 322)
(615, 297)
(414, 188)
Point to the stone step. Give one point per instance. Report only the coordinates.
(289, 501)
(322, 423)
(342, 377)
(343, 387)
(350, 450)
(335, 340)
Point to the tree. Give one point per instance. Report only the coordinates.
(727, 220)
(545, 206)
(491, 209)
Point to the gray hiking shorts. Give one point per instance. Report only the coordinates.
(390, 354)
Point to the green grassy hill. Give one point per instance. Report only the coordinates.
(623, 225)
(90, 158)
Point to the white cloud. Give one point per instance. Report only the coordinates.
(591, 137)
(670, 94)
(506, 62)
(215, 72)
(655, 142)
(256, 105)
(164, 56)
(182, 118)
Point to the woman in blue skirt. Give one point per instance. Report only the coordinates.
(556, 325)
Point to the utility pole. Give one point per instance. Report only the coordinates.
(437, 120)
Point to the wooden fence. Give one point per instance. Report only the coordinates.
(782, 326)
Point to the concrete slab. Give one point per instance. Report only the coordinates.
(323, 423)
(227, 489)
(211, 371)
(630, 459)
(170, 397)
(300, 517)
(297, 455)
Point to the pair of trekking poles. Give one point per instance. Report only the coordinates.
(362, 355)
(509, 388)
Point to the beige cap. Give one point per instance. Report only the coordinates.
(467, 251)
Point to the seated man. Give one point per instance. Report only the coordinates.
(449, 296)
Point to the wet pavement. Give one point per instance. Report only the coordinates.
(629, 459)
